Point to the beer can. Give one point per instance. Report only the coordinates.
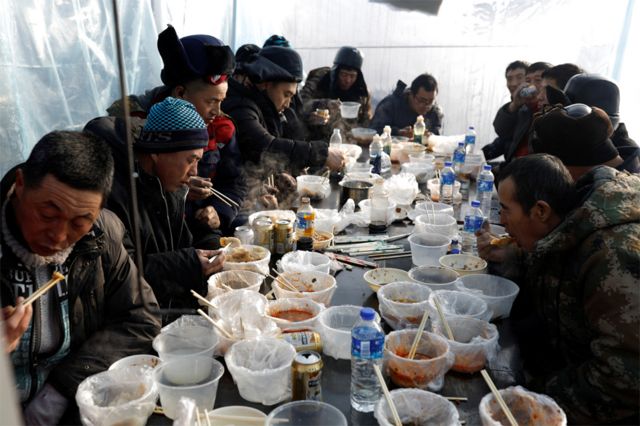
(244, 234)
(283, 235)
(306, 377)
(303, 340)
(263, 233)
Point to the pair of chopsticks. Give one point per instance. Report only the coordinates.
(224, 250)
(55, 279)
(282, 280)
(387, 256)
(220, 196)
(271, 181)
(233, 418)
(217, 325)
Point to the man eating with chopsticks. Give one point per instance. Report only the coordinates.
(52, 224)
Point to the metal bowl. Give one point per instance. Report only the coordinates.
(357, 190)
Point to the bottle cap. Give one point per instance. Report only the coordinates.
(448, 163)
(420, 118)
(475, 203)
(471, 128)
(305, 200)
(336, 131)
(487, 167)
(367, 314)
(460, 144)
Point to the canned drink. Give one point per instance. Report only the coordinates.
(306, 377)
(303, 340)
(263, 230)
(244, 234)
(283, 235)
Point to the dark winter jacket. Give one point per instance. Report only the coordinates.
(106, 313)
(260, 135)
(395, 111)
(171, 264)
(627, 148)
(512, 128)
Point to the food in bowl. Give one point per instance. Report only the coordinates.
(528, 408)
(464, 263)
(293, 315)
(244, 254)
(378, 277)
(322, 240)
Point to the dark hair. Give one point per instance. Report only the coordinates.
(78, 159)
(541, 177)
(538, 66)
(516, 65)
(562, 73)
(426, 81)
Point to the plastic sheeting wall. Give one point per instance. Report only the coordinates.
(58, 69)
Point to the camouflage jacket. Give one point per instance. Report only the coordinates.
(585, 278)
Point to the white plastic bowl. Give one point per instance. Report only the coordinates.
(260, 266)
(417, 406)
(317, 286)
(294, 304)
(150, 361)
(402, 304)
(464, 264)
(430, 207)
(307, 413)
(427, 248)
(236, 280)
(498, 292)
(459, 304)
(217, 416)
(349, 109)
(379, 277)
(439, 223)
(314, 187)
(435, 277)
(335, 324)
(185, 341)
(305, 261)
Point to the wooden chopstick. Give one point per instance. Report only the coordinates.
(445, 324)
(498, 397)
(283, 280)
(219, 197)
(387, 395)
(215, 324)
(457, 398)
(416, 340)
(396, 256)
(55, 279)
(220, 194)
(202, 299)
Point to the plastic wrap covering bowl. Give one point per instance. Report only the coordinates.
(326, 219)
(464, 264)
(233, 280)
(423, 171)
(427, 248)
(235, 260)
(379, 277)
(427, 369)
(417, 407)
(402, 304)
(307, 413)
(139, 361)
(122, 396)
(317, 286)
(274, 215)
(429, 207)
(438, 223)
(434, 277)
(475, 342)
(303, 261)
(223, 416)
(294, 313)
(334, 325)
(314, 187)
(498, 292)
(458, 304)
(196, 378)
(262, 369)
(365, 208)
(528, 408)
(185, 341)
(402, 188)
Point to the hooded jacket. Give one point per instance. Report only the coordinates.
(627, 148)
(585, 280)
(511, 128)
(107, 319)
(260, 135)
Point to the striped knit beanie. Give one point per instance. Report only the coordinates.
(173, 125)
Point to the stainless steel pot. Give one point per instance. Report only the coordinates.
(357, 190)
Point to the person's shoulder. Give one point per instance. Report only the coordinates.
(110, 225)
(318, 73)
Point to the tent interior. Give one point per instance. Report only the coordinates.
(59, 65)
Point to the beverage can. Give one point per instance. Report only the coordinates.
(283, 236)
(306, 376)
(303, 340)
(263, 230)
(244, 234)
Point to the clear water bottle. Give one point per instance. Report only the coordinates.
(375, 155)
(459, 156)
(367, 343)
(485, 190)
(419, 129)
(472, 222)
(470, 140)
(386, 140)
(447, 180)
(336, 139)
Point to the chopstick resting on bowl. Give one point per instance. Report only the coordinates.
(282, 280)
(215, 324)
(498, 397)
(55, 279)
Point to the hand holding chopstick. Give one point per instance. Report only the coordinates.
(55, 279)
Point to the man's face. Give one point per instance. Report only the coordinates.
(542, 94)
(174, 169)
(205, 97)
(515, 78)
(54, 216)
(346, 78)
(422, 102)
(281, 94)
(535, 78)
(523, 226)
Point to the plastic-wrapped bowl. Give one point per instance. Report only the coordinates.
(404, 149)
(498, 292)
(303, 261)
(402, 304)
(433, 185)
(326, 219)
(218, 417)
(423, 171)
(334, 325)
(439, 223)
(140, 361)
(430, 207)
(261, 266)
(427, 369)
(314, 187)
(307, 413)
(379, 277)
(294, 313)
(235, 280)
(427, 248)
(458, 304)
(349, 110)
(435, 277)
(475, 342)
(365, 208)
(464, 264)
(317, 286)
(119, 396)
(417, 406)
(528, 408)
(196, 378)
(185, 341)
(262, 369)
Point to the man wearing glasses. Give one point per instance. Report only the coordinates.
(401, 109)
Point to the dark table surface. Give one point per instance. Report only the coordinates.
(353, 290)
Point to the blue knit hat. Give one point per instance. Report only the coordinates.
(173, 125)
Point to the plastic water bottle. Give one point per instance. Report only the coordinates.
(447, 180)
(459, 156)
(379, 208)
(485, 190)
(367, 343)
(386, 139)
(336, 139)
(472, 222)
(470, 140)
(418, 129)
(375, 154)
